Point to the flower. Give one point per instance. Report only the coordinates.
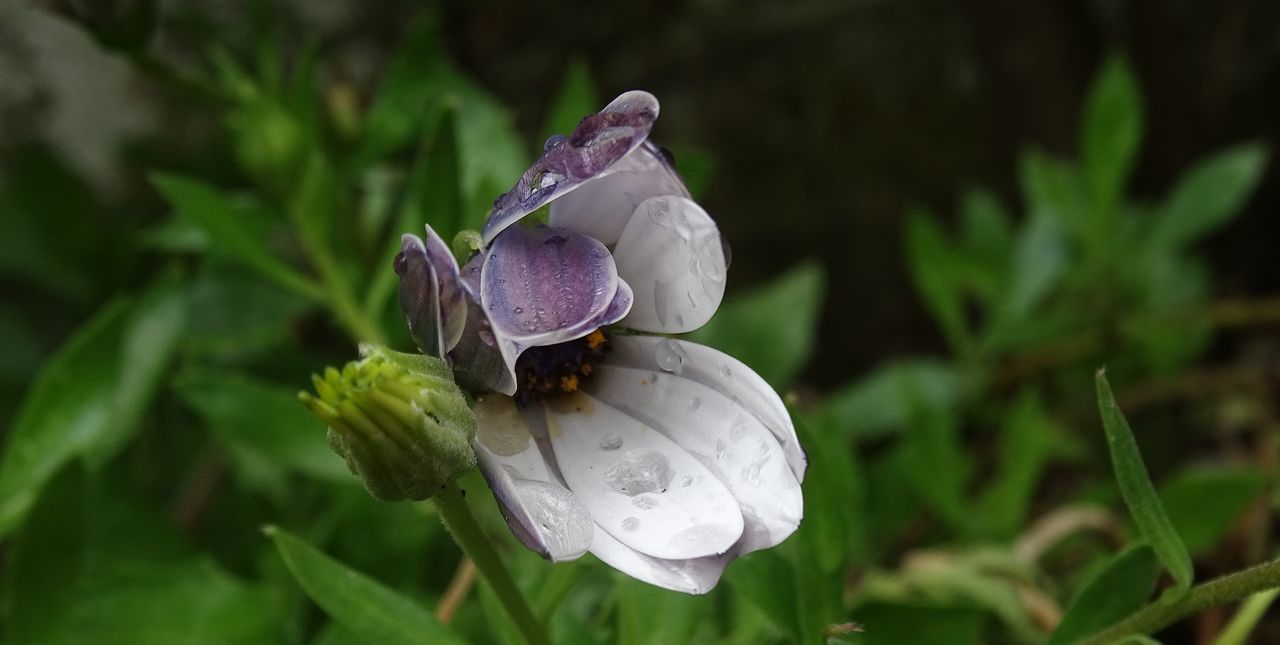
(664, 458)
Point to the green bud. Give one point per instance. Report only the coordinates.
(399, 421)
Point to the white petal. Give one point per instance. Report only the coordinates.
(601, 207)
(640, 487)
(730, 441)
(671, 255)
(693, 576)
(720, 372)
(541, 512)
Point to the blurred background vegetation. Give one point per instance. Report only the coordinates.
(944, 217)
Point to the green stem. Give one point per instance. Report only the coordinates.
(1242, 624)
(1160, 614)
(559, 583)
(466, 532)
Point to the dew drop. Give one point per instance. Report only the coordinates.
(610, 442)
(644, 502)
(630, 524)
(559, 519)
(518, 310)
(686, 481)
(724, 370)
(670, 356)
(639, 472)
(695, 403)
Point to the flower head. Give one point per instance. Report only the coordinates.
(664, 458)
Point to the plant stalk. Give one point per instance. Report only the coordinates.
(466, 532)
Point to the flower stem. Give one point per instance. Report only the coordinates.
(466, 532)
(1220, 591)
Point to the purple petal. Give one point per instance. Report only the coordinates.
(693, 576)
(420, 296)
(543, 283)
(598, 142)
(478, 363)
(453, 307)
(601, 208)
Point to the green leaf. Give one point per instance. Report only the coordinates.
(1209, 195)
(836, 484)
(1039, 260)
(937, 464)
(768, 581)
(1205, 501)
(1052, 188)
(1024, 449)
(237, 228)
(90, 397)
(917, 624)
(879, 402)
(360, 604)
(408, 92)
(1117, 590)
(92, 565)
(575, 98)
(772, 327)
(262, 425)
(1138, 493)
(936, 274)
(696, 166)
(639, 603)
(1112, 133)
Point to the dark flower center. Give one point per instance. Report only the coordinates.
(542, 372)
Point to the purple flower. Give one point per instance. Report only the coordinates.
(664, 458)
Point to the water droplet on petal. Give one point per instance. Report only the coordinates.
(695, 403)
(686, 481)
(639, 472)
(644, 502)
(670, 356)
(630, 524)
(518, 310)
(610, 442)
(724, 370)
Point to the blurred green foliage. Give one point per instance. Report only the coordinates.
(960, 498)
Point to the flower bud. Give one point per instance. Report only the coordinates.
(399, 421)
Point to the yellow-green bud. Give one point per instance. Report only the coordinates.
(466, 244)
(399, 421)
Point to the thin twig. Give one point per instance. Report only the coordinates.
(191, 498)
(464, 577)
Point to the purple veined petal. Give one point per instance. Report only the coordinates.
(419, 295)
(540, 511)
(598, 142)
(670, 253)
(693, 576)
(601, 208)
(453, 306)
(638, 485)
(718, 371)
(477, 359)
(726, 438)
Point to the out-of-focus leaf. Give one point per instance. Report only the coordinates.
(937, 464)
(878, 403)
(1112, 133)
(409, 91)
(835, 484)
(936, 274)
(236, 228)
(262, 424)
(696, 167)
(768, 581)
(93, 566)
(575, 98)
(236, 317)
(771, 328)
(986, 223)
(1052, 188)
(1040, 257)
(1139, 495)
(1117, 590)
(917, 624)
(640, 603)
(1209, 195)
(1204, 502)
(90, 396)
(358, 603)
(1025, 444)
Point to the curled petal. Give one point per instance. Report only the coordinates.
(638, 485)
(720, 372)
(598, 142)
(601, 208)
(727, 439)
(670, 253)
(692, 576)
(540, 511)
(477, 359)
(430, 293)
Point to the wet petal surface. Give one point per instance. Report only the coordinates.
(692, 576)
(419, 294)
(671, 255)
(726, 438)
(601, 208)
(720, 372)
(598, 142)
(638, 485)
(540, 511)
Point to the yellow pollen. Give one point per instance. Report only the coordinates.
(569, 383)
(595, 339)
(586, 369)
